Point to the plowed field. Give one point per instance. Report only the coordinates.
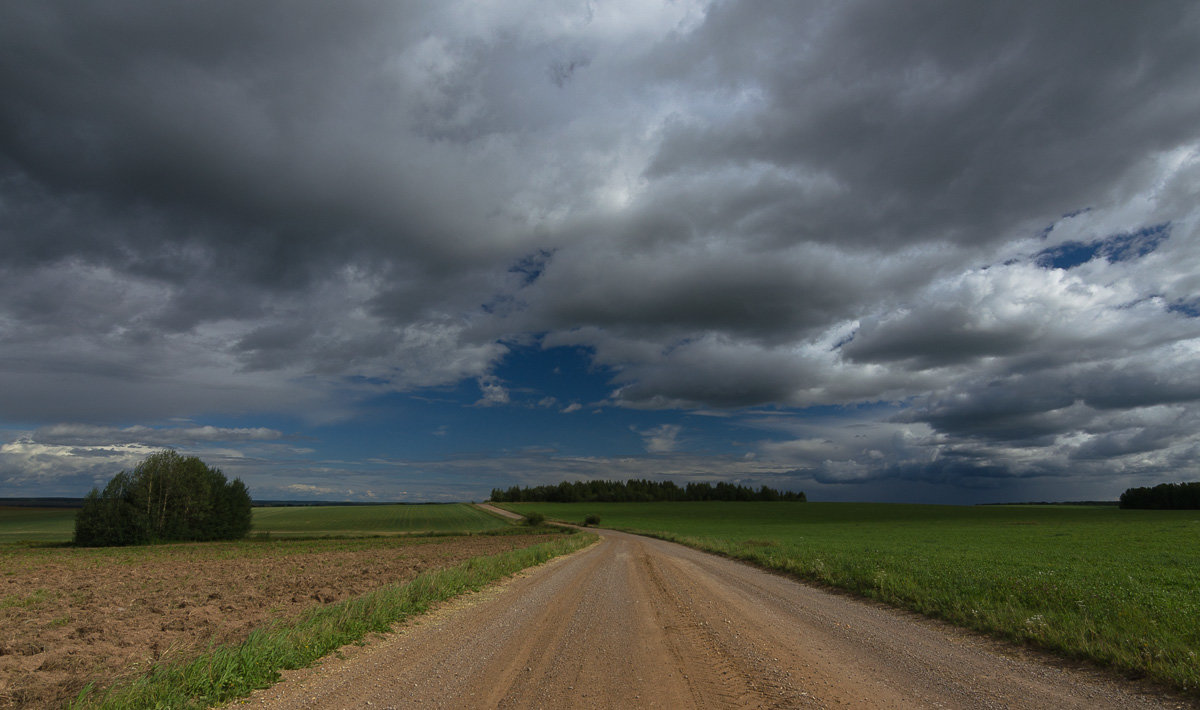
(70, 616)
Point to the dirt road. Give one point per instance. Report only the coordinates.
(499, 511)
(640, 623)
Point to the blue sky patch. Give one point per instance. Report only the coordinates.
(1119, 247)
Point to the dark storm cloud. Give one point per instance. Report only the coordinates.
(985, 215)
(1049, 404)
(1143, 384)
(713, 287)
(935, 338)
(268, 139)
(913, 139)
(942, 120)
(222, 187)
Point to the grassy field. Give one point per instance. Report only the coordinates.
(1118, 587)
(36, 524)
(58, 525)
(373, 519)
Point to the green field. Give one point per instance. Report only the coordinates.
(1118, 587)
(36, 524)
(373, 519)
(58, 525)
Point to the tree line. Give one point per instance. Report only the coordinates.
(1164, 496)
(167, 497)
(636, 491)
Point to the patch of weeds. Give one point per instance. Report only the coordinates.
(37, 597)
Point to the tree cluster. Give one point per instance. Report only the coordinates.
(633, 491)
(1164, 496)
(166, 497)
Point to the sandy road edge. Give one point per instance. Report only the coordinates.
(499, 512)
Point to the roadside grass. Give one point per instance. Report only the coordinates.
(58, 524)
(229, 672)
(1117, 587)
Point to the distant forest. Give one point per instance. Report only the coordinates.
(635, 491)
(1164, 496)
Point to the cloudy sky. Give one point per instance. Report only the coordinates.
(936, 251)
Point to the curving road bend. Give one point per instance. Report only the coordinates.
(633, 622)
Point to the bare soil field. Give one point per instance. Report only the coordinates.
(72, 616)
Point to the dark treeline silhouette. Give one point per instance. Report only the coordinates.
(1164, 496)
(635, 491)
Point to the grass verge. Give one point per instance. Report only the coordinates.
(229, 672)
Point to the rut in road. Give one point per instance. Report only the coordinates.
(640, 623)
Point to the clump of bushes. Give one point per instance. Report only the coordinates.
(591, 519)
(167, 497)
(534, 519)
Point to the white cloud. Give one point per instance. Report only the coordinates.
(493, 392)
(94, 435)
(662, 439)
(306, 489)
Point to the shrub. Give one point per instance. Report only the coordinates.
(534, 519)
(591, 519)
(166, 497)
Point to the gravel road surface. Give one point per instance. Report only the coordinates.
(499, 511)
(634, 622)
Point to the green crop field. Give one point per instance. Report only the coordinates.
(36, 524)
(58, 525)
(373, 519)
(1118, 587)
